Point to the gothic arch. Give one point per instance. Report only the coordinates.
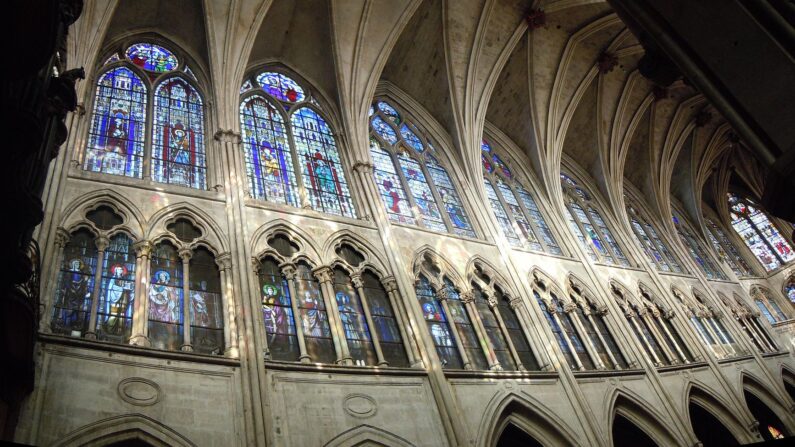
(364, 435)
(373, 257)
(542, 279)
(446, 267)
(488, 268)
(214, 235)
(632, 407)
(701, 395)
(76, 209)
(755, 386)
(124, 427)
(308, 248)
(529, 415)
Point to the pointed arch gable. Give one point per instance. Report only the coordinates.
(700, 394)
(125, 427)
(445, 266)
(755, 386)
(309, 248)
(529, 414)
(497, 278)
(374, 258)
(634, 408)
(540, 277)
(364, 435)
(135, 222)
(215, 236)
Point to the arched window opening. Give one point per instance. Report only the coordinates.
(585, 219)
(759, 234)
(118, 142)
(513, 436)
(627, 434)
(277, 312)
(508, 313)
(600, 339)
(789, 289)
(464, 326)
(116, 297)
(767, 305)
(708, 429)
(314, 316)
(166, 298)
(727, 251)
(697, 251)
(770, 426)
(751, 325)
(104, 217)
(405, 160)
(648, 237)
(75, 285)
(438, 325)
(563, 328)
(206, 307)
(118, 124)
(178, 156)
(354, 322)
(515, 209)
(296, 164)
(385, 322)
(709, 327)
(493, 330)
(662, 320)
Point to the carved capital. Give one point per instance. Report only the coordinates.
(514, 302)
(102, 242)
(356, 279)
(224, 261)
(601, 309)
(227, 136)
(363, 167)
(255, 265)
(569, 307)
(185, 254)
(142, 248)
(62, 237)
(289, 271)
(390, 284)
(467, 297)
(492, 302)
(442, 294)
(655, 312)
(629, 313)
(643, 312)
(323, 274)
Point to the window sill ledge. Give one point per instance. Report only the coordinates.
(147, 184)
(305, 212)
(342, 369)
(466, 374)
(775, 354)
(681, 367)
(740, 358)
(594, 373)
(45, 338)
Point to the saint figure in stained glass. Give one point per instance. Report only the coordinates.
(152, 57)
(281, 87)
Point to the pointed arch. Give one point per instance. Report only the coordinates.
(135, 223)
(366, 435)
(700, 394)
(308, 248)
(497, 278)
(214, 234)
(643, 415)
(752, 384)
(426, 252)
(125, 427)
(544, 280)
(527, 413)
(373, 257)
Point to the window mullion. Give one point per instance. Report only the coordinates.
(509, 212)
(303, 195)
(146, 169)
(586, 238)
(529, 218)
(764, 238)
(438, 198)
(601, 235)
(406, 189)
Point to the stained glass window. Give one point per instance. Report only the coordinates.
(727, 250)
(277, 312)
(768, 306)
(354, 323)
(493, 331)
(557, 332)
(515, 332)
(314, 317)
(178, 155)
(206, 307)
(499, 212)
(421, 190)
(118, 125)
(789, 289)
(75, 285)
(656, 251)
(384, 321)
(697, 252)
(267, 149)
(586, 221)
(116, 297)
(281, 87)
(246, 86)
(759, 234)
(165, 298)
(438, 325)
(189, 72)
(152, 57)
(113, 58)
(537, 219)
(322, 171)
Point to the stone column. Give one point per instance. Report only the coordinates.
(593, 353)
(102, 243)
(516, 306)
(141, 307)
(186, 254)
(468, 298)
(62, 238)
(441, 295)
(406, 333)
(289, 273)
(324, 275)
(647, 315)
(668, 333)
(495, 308)
(703, 318)
(224, 262)
(555, 316)
(632, 317)
(356, 278)
(763, 333)
(602, 311)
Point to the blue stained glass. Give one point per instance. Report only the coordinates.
(323, 175)
(281, 87)
(246, 86)
(314, 316)
(152, 57)
(449, 196)
(390, 112)
(371, 111)
(502, 217)
(268, 158)
(397, 205)
(72, 305)
(384, 321)
(651, 251)
(484, 146)
(438, 325)
(759, 234)
(117, 133)
(384, 130)
(727, 250)
(117, 293)
(165, 298)
(178, 155)
(411, 138)
(556, 331)
(458, 314)
(486, 163)
(538, 219)
(277, 313)
(113, 58)
(663, 248)
(519, 217)
(591, 232)
(354, 323)
(698, 254)
(423, 196)
(608, 236)
(583, 242)
(503, 167)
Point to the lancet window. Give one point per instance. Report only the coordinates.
(342, 314)
(697, 251)
(600, 343)
(515, 208)
(767, 305)
(648, 237)
(414, 185)
(727, 251)
(749, 321)
(125, 139)
(589, 227)
(290, 149)
(759, 234)
(709, 327)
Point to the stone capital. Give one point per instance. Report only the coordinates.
(569, 307)
(356, 279)
(390, 284)
(289, 271)
(442, 294)
(467, 296)
(601, 309)
(142, 248)
(102, 242)
(323, 274)
(227, 136)
(514, 302)
(185, 254)
(363, 167)
(224, 261)
(629, 313)
(62, 237)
